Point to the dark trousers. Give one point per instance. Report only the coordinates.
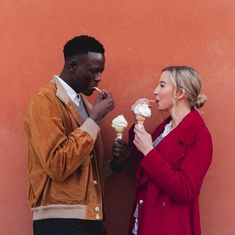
(68, 227)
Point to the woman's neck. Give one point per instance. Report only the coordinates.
(178, 113)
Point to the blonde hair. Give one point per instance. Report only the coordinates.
(188, 79)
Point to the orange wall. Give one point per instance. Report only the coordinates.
(140, 37)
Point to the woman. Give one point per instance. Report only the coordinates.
(173, 160)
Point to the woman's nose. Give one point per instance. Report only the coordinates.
(155, 92)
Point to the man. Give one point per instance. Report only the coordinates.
(65, 155)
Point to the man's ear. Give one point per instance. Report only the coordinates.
(180, 94)
(71, 65)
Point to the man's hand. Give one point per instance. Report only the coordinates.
(120, 153)
(103, 105)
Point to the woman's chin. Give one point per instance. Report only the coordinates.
(162, 109)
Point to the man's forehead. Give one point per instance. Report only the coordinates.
(95, 55)
(90, 56)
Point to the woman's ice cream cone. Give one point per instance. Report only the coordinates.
(140, 119)
(141, 111)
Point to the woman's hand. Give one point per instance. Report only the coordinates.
(143, 140)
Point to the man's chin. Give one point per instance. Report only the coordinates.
(88, 92)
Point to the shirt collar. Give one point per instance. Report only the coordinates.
(68, 89)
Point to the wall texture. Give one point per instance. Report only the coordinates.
(140, 37)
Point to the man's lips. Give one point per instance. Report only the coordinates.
(91, 88)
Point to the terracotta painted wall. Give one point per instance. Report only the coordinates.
(140, 37)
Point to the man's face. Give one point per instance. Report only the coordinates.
(88, 72)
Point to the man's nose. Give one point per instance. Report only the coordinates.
(98, 77)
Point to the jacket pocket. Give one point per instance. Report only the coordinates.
(73, 189)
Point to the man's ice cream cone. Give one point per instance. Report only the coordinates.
(140, 119)
(119, 132)
(119, 123)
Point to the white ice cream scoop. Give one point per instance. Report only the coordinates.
(119, 124)
(142, 111)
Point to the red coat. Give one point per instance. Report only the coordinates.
(169, 179)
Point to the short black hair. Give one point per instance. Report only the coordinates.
(82, 45)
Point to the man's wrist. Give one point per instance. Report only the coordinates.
(94, 118)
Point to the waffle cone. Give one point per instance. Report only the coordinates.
(140, 119)
(119, 132)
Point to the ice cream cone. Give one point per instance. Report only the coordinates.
(119, 132)
(140, 119)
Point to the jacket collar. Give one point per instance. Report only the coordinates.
(188, 127)
(62, 95)
(186, 130)
(60, 91)
(191, 122)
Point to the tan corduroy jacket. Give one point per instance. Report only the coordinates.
(65, 158)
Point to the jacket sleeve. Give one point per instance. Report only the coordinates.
(135, 155)
(59, 153)
(182, 184)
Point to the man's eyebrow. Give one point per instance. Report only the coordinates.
(96, 69)
(162, 82)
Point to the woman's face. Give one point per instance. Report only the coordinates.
(164, 92)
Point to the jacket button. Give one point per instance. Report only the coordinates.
(141, 202)
(97, 216)
(97, 209)
(163, 204)
(95, 182)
